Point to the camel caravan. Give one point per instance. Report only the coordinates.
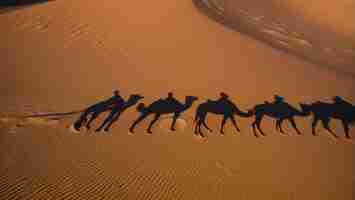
(278, 110)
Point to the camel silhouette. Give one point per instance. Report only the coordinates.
(118, 110)
(324, 112)
(221, 106)
(98, 108)
(280, 111)
(162, 106)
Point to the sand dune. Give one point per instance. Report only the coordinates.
(287, 27)
(62, 56)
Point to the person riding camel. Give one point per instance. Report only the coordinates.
(278, 99)
(171, 98)
(223, 96)
(98, 108)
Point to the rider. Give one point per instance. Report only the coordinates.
(224, 98)
(171, 98)
(278, 99)
(115, 100)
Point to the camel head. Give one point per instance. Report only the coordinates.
(189, 100)
(133, 99)
(306, 108)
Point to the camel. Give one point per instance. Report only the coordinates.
(117, 111)
(280, 111)
(162, 106)
(324, 112)
(101, 107)
(220, 107)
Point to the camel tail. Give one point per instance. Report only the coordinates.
(141, 108)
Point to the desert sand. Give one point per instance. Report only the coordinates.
(62, 56)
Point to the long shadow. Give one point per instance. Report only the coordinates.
(160, 107)
(278, 110)
(223, 106)
(340, 109)
(52, 114)
(13, 5)
(116, 104)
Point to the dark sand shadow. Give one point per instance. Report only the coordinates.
(222, 106)
(169, 105)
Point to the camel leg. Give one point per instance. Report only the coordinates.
(205, 125)
(254, 131)
(203, 121)
(156, 117)
(258, 125)
(140, 118)
(199, 126)
(234, 123)
(279, 126)
(107, 120)
(314, 124)
(223, 123)
(196, 126)
(257, 122)
(82, 119)
(346, 128)
(115, 116)
(293, 123)
(92, 118)
(200, 122)
(325, 123)
(176, 116)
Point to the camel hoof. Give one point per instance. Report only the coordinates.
(76, 128)
(106, 130)
(98, 130)
(173, 129)
(149, 131)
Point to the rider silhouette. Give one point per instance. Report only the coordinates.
(96, 109)
(223, 96)
(115, 100)
(278, 99)
(171, 98)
